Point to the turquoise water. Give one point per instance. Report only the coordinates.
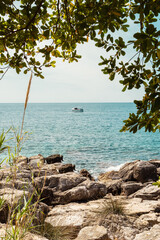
(89, 140)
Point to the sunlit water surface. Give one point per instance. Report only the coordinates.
(89, 140)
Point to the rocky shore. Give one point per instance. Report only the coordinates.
(120, 205)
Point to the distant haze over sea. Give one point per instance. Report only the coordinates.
(90, 139)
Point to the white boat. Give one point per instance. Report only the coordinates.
(77, 109)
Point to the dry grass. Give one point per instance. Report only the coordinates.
(111, 206)
(55, 233)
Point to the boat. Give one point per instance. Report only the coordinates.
(77, 109)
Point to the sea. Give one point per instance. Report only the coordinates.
(89, 139)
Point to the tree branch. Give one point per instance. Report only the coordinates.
(28, 24)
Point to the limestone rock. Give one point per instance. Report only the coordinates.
(12, 196)
(85, 173)
(83, 192)
(74, 216)
(113, 186)
(5, 173)
(104, 177)
(17, 184)
(53, 186)
(155, 162)
(152, 234)
(150, 192)
(40, 214)
(135, 206)
(93, 233)
(126, 233)
(21, 161)
(36, 161)
(126, 171)
(54, 158)
(60, 182)
(46, 170)
(147, 220)
(24, 174)
(130, 187)
(144, 171)
(66, 168)
(68, 187)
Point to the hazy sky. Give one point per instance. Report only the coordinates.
(74, 82)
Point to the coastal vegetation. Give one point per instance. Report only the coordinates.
(34, 33)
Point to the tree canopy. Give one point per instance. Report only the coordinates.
(33, 33)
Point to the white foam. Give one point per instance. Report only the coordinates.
(114, 168)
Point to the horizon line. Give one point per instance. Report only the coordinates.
(59, 102)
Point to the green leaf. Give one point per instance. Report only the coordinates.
(53, 64)
(132, 16)
(158, 53)
(156, 104)
(112, 76)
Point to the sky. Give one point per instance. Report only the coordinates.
(68, 82)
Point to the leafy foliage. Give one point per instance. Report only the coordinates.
(34, 33)
(3, 141)
(157, 183)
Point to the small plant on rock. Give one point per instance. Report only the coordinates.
(111, 206)
(2, 203)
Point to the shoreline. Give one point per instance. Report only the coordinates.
(125, 200)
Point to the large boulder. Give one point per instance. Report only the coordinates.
(46, 170)
(113, 186)
(126, 171)
(150, 192)
(52, 186)
(104, 177)
(93, 233)
(130, 187)
(13, 196)
(63, 168)
(36, 161)
(59, 182)
(144, 171)
(85, 191)
(141, 171)
(112, 181)
(68, 187)
(54, 158)
(17, 184)
(74, 216)
(137, 207)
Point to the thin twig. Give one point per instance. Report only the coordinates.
(5, 72)
(25, 105)
(133, 57)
